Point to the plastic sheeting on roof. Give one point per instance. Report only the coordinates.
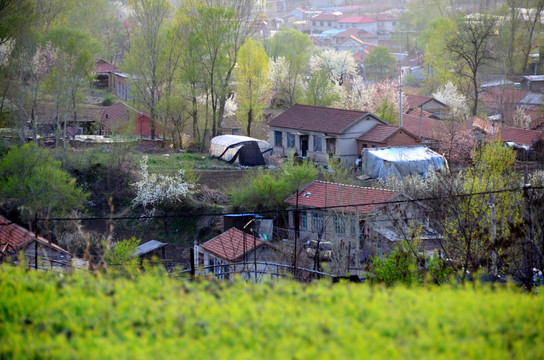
(329, 33)
(400, 161)
(244, 150)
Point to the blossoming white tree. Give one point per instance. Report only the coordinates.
(380, 98)
(449, 95)
(338, 65)
(157, 192)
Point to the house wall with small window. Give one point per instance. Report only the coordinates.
(211, 264)
(401, 138)
(321, 145)
(371, 27)
(333, 226)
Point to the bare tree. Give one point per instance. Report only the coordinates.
(472, 48)
(144, 58)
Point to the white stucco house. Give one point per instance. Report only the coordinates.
(358, 22)
(320, 132)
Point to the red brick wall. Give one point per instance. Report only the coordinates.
(401, 139)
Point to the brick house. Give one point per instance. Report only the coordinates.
(384, 136)
(427, 103)
(121, 118)
(234, 251)
(319, 132)
(371, 220)
(15, 240)
(102, 71)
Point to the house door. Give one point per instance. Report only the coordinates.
(304, 144)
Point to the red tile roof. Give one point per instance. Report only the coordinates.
(414, 101)
(519, 136)
(356, 19)
(485, 125)
(317, 118)
(102, 66)
(230, 244)
(380, 133)
(423, 113)
(430, 128)
(505, 96)
(17, 236)
(321, 194)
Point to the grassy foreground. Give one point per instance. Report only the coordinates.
(82, 316)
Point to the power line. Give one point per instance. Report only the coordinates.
(322, 208)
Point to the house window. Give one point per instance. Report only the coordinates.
(290, 140)
(321, 23)
(374, 146)
(278, 139)
(317, 222)
(353, 227)
(339, 225)
(331, 146)
(330, 23)
(394, 23)
(318, 144)
(303, 220)
(313, 23)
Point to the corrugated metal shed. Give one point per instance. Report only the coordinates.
(148, 247)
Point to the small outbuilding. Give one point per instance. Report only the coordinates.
(239, 149)
(400, 161)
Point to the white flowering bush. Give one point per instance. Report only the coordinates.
(450, 95)
(157, 192)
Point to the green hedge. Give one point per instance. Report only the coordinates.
(83, 316)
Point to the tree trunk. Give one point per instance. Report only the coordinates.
(249, 120)
(475, 84)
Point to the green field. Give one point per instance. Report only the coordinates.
(84, 316)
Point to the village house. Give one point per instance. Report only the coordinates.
(354, 45)
(324, 21)
(102, 71)
(235, 252)
(122, 119)
(426, 103)
(119, 85)
(368, 220)
(384, 136)
(359, 22)
(15, 240)
(386, 25)
(363, 35)
(320, 133)
(532, 82)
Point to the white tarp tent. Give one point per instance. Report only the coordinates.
(244, 150)
(381, 163)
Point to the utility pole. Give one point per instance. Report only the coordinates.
(493, 237)
(297, 223)
(36, 241)
(528, 223)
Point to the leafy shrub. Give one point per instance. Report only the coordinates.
(108, 101)
(80, 315)
(156, 192)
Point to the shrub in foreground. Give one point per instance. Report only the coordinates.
(49, 315)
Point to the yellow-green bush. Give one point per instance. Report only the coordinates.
(84, 316)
